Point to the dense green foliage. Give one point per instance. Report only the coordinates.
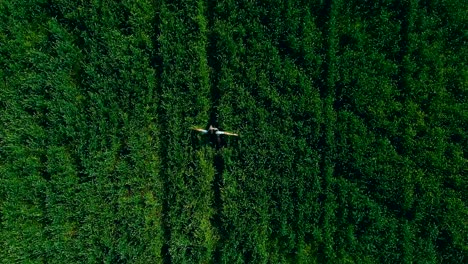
(352, 114)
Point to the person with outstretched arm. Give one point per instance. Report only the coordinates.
(215, 134)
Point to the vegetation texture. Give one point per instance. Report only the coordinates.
(352, 115)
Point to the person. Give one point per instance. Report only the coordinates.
(215, 134)
(214, 130)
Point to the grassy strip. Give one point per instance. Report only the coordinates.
(85, 168)
(188, 167)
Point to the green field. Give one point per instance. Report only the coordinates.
(352, 115)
